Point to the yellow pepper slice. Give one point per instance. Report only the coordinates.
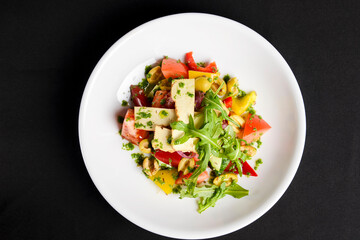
(240, 105)
(165, 179)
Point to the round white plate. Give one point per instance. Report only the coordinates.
(238, 51)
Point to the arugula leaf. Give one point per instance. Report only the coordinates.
(191, 131)
(212, 101)
(209, 195)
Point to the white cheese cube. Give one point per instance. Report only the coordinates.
(162, 137)
(146, 118)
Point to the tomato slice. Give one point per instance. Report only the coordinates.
(129, 132)
(190, 62)
(202, 177)
(254, 128)
(162, 99)
(138, 96)
(248, 170)
(172, 68)
(233, 170)
(166, 156)
(228, 102)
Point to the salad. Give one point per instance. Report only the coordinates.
(197, 131)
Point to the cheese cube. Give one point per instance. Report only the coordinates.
(162, 139)
(146, 118)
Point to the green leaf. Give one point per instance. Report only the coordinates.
(212, 101)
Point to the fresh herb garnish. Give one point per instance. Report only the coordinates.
(124, 103)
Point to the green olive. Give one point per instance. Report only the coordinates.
(203, 84)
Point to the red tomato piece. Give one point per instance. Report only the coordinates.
(172, 68)
(162, 99)
(248, 170)
(234, 169)
(228, 102)
(202, 177)
(166, 156)
(190, 62)
(254, 128)
(129, 132)
(138, 96)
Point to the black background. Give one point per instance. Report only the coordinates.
(47, 52)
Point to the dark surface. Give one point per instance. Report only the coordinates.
(47, 52)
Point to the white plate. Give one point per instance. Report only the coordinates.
(237, 50)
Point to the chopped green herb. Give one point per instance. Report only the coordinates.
(120, 119)
(124, 103)
(138, 158)
(128, 146)
(143, 84)
(169, 140)
(190, 94)
(162, 101)
(257, 163)
(200, 64)
(178, 61)
(181, 84)
(143, 115)
(178, 92)
(259, 143)
(209, 79)
(150, 124)
(158, 179)
(147, 69)
(251, 110)
(177, 189)
(226, 78)
(148, 75)
(127, 119)
(166, 57)
(139, 125)
(163, 114)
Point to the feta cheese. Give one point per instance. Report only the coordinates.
(162, 139)
(183, 94)
(146, 118)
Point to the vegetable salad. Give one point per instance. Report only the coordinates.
(197, 131)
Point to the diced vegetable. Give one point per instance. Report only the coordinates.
(129, 132)
(169, 158)
(240, 105)
(162, 99)
(172, 68)
(232, 87)
(165, 179)
(195, 74)
(254, 128)
(247, 170)
(202, 177)
(190, 62)
(228, 102)
(138, 96)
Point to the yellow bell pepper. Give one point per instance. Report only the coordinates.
(165, 179)
(232, 87)
(195, 74)
(240, 105)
